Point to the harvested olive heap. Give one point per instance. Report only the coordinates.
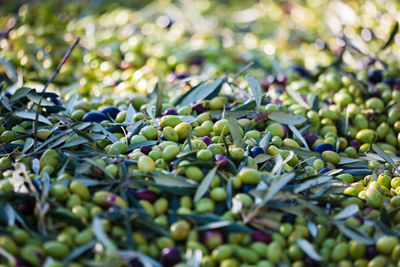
(296, 168)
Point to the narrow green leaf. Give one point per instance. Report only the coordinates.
(236, 133)
(255, 89)
(20, 93)
(10, 70)
(315, 103)
(101, 235)
(32, 116)
(309, 249)
(393, 33)
(205, 184)
(286, 118)
(28, 144)
(78, 251)
(312, 182)
(298, 135)
(35, 98)
(385, 156)
(350, 210)
(71, 103)
(203, 91)
(225, 225)
(265, 140)
(174, 181)
(160, 93)
(129, 114)
(352, 235)
(297, 97)
(277, 186)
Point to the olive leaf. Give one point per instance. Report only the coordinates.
(350, 210)
(78, 252)
(277, 186)
(101, 235)
(200, 92)
(144, 259)
(393, 33)
(174, 181)
(385, 156)
(28, 144)
(205, 184)
(10, 70)
(286, 118)
(255, 89)
(309, 249)
(298, 135)
(235, 132)
(297, 97)
(313, 182)
(32, 116)
(225, 225)
(129, 114)
(160, 94)
(353, 235)
(71, 103)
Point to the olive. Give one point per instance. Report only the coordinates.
(94, 116)
(324, 147)
(170, 256)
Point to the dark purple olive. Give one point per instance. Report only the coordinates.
(257, 150)
(56, 101)
(94, 116)
(197, 61)
(145, 149)
(171, 111)
(288, 218)
(212, 239)
(265, 84)
(329, 101)
(199, 108)
(26, 207)
(58, 131)
(145, 194)
(206, 140)
(389, 81)
(277, 101)
(375, 76)
(310, 262)
(170, 256)
(247, 188)
(7, 94)
(111, 111)
(354, 143)
(324, 147)
(135, 263)
(301, 71)
(371, 252)
(324, 170)
(181, 75)
(220, 160)
(163, 138)
(310, 138)
(261, 236)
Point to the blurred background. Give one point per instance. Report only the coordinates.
(126, 45)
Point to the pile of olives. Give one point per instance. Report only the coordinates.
(99, 177)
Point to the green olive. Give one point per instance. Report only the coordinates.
(56, 249)
(146, 164)
(179, 230)
(249, 176)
